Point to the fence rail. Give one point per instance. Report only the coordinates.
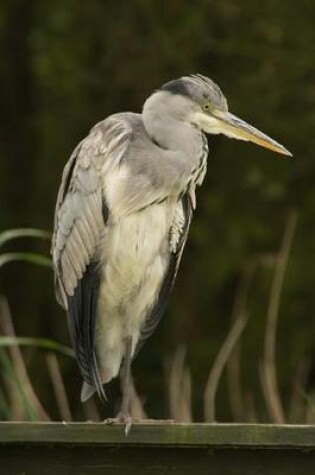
(99, 449)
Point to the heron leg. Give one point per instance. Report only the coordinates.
(126, 389)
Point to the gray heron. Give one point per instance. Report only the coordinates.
(123, 212)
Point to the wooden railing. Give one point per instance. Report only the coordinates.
(151, 449)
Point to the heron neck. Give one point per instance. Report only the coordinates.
(169, 132)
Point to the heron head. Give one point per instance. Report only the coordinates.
(198, 100)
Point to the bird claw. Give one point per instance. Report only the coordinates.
(127, 425)
(125, 419)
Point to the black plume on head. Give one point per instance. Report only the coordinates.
(198, 88)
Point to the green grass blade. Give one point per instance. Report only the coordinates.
(10, 373)
(43, 343)
(5, 411)
(10, 234)
(30, 257)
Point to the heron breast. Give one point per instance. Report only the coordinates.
(135, 258)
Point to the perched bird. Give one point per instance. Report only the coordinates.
(123, 212)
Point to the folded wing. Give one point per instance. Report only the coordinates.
(80, 221)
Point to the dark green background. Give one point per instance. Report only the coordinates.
(66, 64)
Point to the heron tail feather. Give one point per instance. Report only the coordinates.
(87, 391)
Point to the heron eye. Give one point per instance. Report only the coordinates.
(206, 106)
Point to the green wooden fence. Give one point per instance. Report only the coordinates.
(172, 449)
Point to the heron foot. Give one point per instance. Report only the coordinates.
(124, 419)
(154, 421)
(121, 418)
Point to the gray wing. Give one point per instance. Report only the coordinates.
(177, 240)
(80, 221)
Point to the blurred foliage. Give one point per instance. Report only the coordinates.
(68, 64)
(31, 257)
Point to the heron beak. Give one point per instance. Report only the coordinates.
(234, 127)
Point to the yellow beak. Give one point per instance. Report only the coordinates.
(234, 127)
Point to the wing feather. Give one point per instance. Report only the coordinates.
(80, 221)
